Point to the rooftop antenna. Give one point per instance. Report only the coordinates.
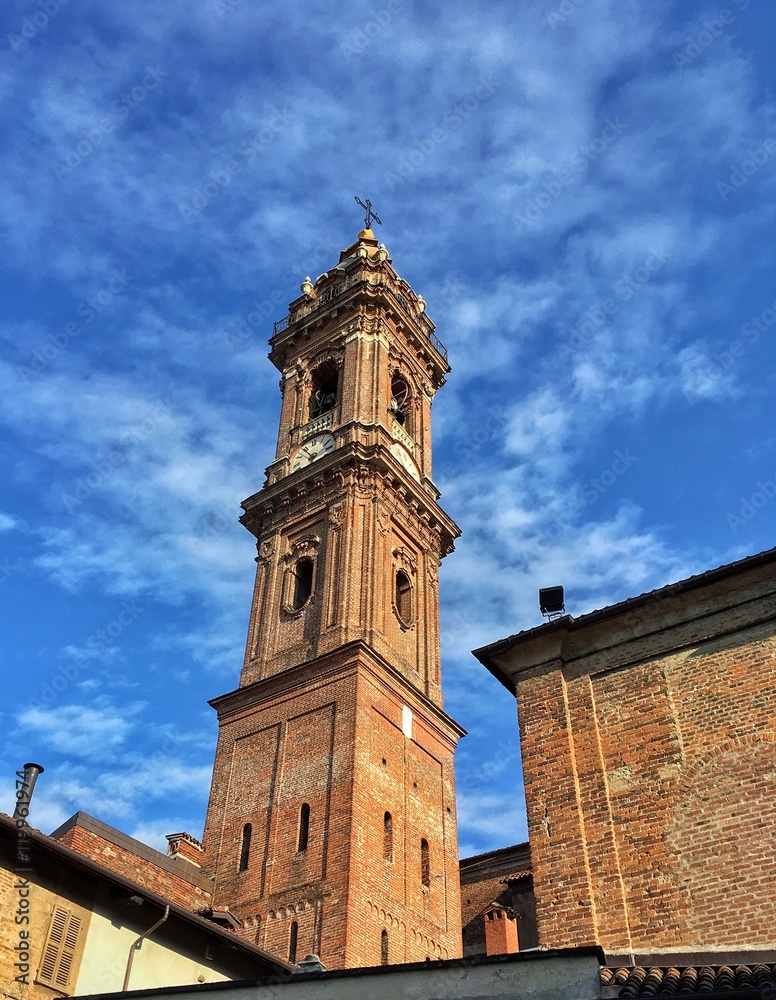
(367, 207)
(551, 602)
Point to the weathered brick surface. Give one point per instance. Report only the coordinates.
(330, 735)
(339, 705)
(500, 932)
(140, 868)
(649, 758)
(186, 847)
(502, 877)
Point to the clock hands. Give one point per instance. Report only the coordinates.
(313, 450)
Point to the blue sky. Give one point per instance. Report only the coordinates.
(582, 191)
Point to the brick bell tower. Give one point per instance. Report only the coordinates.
(331, 825)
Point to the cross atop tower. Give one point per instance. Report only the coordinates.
(367, 206)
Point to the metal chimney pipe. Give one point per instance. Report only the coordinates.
(24, 795)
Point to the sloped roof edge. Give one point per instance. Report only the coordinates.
(569, 623)
(76, 860)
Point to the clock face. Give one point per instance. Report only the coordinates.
(403, 456)
(311, 450)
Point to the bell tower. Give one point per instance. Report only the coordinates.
(331, 825)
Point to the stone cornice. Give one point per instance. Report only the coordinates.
(346, 661)
(363, 287)
(708, 607)
(354, 467)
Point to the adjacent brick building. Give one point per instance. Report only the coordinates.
(497, 902)
(70, 925)
(177, 877)
(331, 825)
(648, 738)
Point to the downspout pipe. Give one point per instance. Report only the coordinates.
(137, 944)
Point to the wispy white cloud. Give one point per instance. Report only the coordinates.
(489, 818)
(566, 229)
(97, 731)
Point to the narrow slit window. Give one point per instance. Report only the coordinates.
(388, 837)
(245, 847)
(293, 935)
(304, 828)
(303, 582)
(425, 863)
(403, 597)
(384, 948)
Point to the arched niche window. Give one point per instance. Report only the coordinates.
(293, 936)
(323, 396)
(245, 847)
(402, 597)
(304, 828)
(384, 948)
(302, 582)
(425, 863)
(400, 402)
(388, 837)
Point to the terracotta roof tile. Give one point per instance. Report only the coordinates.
(637, 981)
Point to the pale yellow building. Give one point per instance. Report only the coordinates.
(70, 926)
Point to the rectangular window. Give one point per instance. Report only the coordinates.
(245, 847)
(425, 863)
(304, 828)
(61, 951)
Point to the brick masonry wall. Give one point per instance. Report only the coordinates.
(488, 879)
(476, 897)
(651, 791)
(329, 735)
(140, 870)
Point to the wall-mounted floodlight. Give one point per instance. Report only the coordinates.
(551, 602)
